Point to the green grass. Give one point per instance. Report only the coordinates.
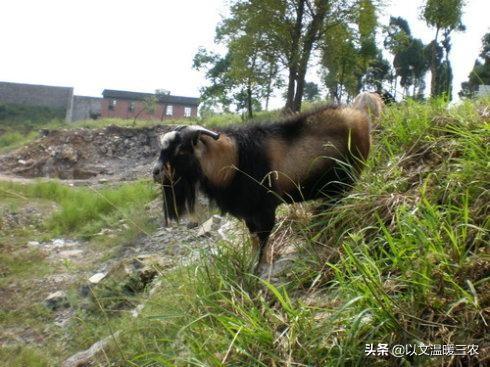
(402, 260)
(68, 212)
(19, 124)
(83, 210)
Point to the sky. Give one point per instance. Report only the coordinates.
(143, 45)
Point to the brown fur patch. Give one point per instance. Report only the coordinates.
(370, 103)
(329, 135)
(218, 158)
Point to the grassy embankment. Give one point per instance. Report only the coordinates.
(404, 259)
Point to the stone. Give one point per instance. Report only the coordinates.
(58, 242)
(56, 300)
(69, 153)
(85, 357)
(70, 253)
(212, 224)
(137, 272)
(33, 243)
(97, 277)
(192, 224)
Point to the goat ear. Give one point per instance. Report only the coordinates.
(202, 143)
(199, 146)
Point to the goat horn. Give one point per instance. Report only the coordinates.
(202, 130)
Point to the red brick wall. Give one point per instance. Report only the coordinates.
(121, 110)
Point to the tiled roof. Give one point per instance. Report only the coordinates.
(136, 96)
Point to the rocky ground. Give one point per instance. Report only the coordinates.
(113, 153)
(74, 270)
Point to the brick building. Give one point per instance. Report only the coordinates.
(115, 103)
(146, 106)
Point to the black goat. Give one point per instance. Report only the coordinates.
(248, 170)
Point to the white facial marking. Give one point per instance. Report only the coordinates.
(165, 139)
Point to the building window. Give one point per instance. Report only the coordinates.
(170, 110)
(132, 106)
(112, 104)
(187, 111)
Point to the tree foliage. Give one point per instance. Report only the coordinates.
(311, 92)
(350, 54)
(445, 16)
(266, 39)
(480, 74)
(410, 58)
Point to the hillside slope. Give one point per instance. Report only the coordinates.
(398, 270)
(403, 260)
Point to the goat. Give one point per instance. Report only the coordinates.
(248, 170)
(371, 103)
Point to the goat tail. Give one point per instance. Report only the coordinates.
(371, 104)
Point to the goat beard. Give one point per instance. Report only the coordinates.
(179, 197)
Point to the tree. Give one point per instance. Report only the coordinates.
(249, 70)
(349, 51)
(340, 58)
(289, 30)
(217, 94)
(443, 15)
(480, 74)
(311, 92)
(410, 58)
(379, 71)
(149, 106)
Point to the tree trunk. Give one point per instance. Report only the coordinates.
(310, 37)
(268, 92)
(433, 67)
(249, 100)
(293, 55)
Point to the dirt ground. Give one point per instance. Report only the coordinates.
(113, 153)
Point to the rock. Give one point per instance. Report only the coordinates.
(192, 224)
(97, 277)
(137, 310)
(56, 300)
(58, 242)
(33, 243)
(137, 272)
(69, 153)
(83, 358)
(212, 224)
(105, 231)
(70, 253)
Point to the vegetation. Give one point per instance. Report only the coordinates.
(480, 75)
(264, 38)
(18, 123)
(410, 59)
(401, 260)
(25, 117)
(445, 16)
(83, 211)
(45, 210)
